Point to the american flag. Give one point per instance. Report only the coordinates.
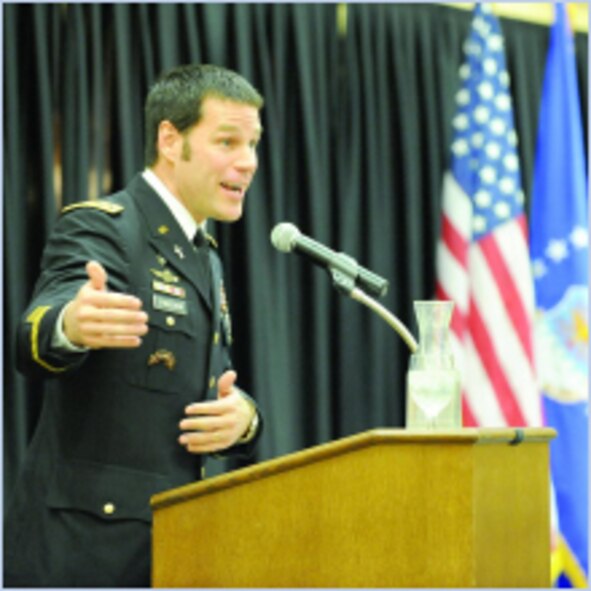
(483, 261)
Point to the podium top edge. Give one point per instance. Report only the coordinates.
(465, 436)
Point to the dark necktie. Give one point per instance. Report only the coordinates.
(202, 248)
(199, 240)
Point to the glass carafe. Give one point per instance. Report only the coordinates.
(433, 389)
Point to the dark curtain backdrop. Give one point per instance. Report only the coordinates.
(357, 133)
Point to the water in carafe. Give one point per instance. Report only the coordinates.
(433, 389)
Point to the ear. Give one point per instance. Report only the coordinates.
(170, 141)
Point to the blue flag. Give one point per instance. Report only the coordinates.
(559, 251)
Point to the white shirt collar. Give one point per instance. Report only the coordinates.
(178, 210)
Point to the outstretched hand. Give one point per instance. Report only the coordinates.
(97, 318)
(215, 425)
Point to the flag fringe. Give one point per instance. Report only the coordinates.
(563, 561)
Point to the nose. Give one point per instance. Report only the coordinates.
(248, 160)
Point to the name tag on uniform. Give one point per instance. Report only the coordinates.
(168, 304)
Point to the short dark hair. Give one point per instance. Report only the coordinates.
(178, 94)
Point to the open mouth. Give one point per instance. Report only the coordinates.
(236, 189)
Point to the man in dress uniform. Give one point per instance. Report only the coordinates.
(130, 324)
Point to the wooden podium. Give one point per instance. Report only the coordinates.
(385, 508)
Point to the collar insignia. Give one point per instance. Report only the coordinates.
(179, 251)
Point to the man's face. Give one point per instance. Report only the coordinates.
(218, 160)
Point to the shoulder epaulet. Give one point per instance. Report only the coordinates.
(100, 204)
(211, 240)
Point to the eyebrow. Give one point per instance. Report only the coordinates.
(233, 128)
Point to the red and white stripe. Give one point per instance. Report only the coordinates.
(490, 282)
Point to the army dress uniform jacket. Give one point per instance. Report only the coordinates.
(107, 437)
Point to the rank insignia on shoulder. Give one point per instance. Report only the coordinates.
(168, 289)
(165, 275)
(100, 204)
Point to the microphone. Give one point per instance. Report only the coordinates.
(286, 237)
